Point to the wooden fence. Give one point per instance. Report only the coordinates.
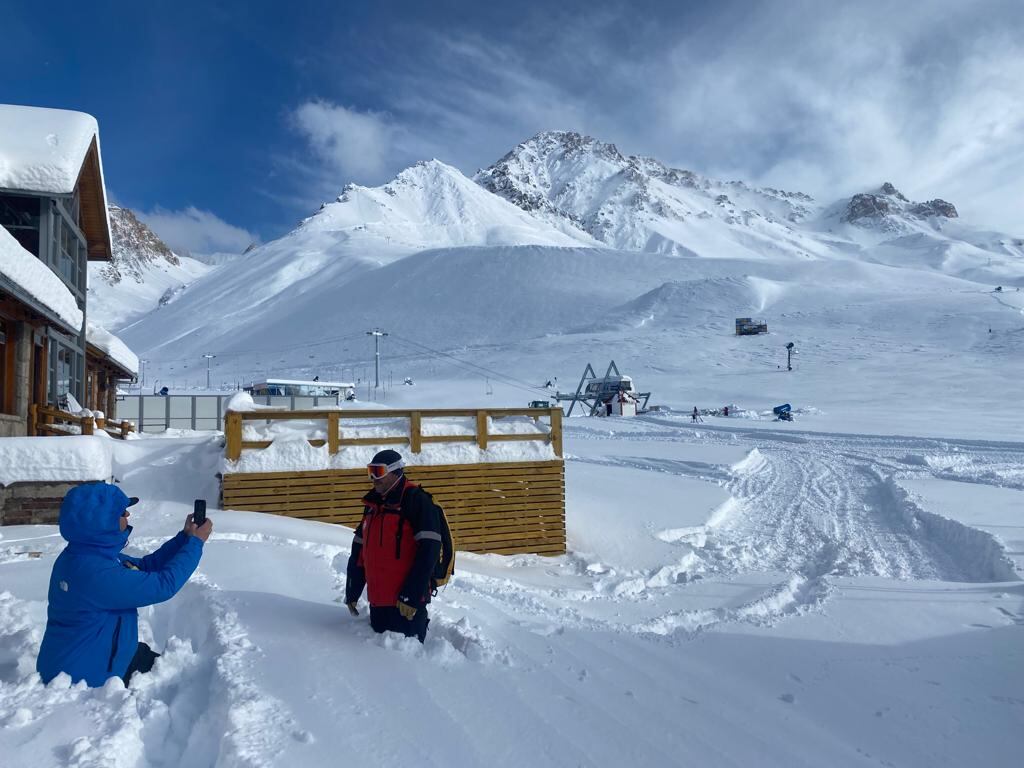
(45, 420)
(504, 508)
(415, 438)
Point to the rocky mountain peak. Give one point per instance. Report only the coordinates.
(886, 205)
(135, 247)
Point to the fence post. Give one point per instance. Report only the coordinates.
(481, 429)
(415, 432)
(556, 431)
(333, 429)
(233, 435)
(87, 422)
(193, 413)
(33, 419)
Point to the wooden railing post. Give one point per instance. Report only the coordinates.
(33, 419)
(415, 432)
(333, 432)
(233, 435)
(481, 429)
(87, 424)
(556, 431)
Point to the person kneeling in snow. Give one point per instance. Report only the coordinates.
(395, 549)
(92, 626)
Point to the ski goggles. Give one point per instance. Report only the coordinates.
(376, 471)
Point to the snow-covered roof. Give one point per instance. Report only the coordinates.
(112, 347)
(51, 459)
(300, 382)
(37, 282)
(43, 150)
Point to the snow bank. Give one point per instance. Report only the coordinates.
(113, 347)
(54, 459)
(43, 149)
(34, 278)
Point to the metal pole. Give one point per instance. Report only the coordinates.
(376, 333)
(208, 359)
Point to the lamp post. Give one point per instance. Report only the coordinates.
(208, 359)
(789, 356)
(376, 333)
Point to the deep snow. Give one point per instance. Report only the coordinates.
(730, 598)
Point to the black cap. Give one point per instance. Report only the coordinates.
(387, 456)
(132, 501)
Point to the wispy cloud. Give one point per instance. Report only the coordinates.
(794, 94)
(194, 231)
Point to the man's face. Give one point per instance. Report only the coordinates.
(384, 484)
(123, 522)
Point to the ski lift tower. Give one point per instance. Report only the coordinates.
(595, 393)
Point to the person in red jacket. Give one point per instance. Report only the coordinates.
(394, 550)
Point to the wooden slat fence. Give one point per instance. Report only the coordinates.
(504, 508)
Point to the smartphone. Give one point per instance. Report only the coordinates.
(199, 512)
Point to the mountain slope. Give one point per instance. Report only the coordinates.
(142, 273)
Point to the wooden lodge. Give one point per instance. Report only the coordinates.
(53, 204)
(504, 507)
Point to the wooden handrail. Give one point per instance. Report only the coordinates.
(46, 420)
(415, 439)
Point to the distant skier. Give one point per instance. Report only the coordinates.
(695, 416)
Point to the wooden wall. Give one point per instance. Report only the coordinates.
(507, 508)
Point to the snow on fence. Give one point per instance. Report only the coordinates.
(498, 473)
(45, 420)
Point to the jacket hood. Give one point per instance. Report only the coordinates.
(90, 516)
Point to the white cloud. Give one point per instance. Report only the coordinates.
(194, 231)
(827, 100)
(358, 145)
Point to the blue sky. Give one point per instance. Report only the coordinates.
(225, 122)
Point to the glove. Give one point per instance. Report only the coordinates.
(408, 611)
(352, 608)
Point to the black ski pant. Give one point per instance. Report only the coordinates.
(388, 619)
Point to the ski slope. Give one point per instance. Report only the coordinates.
(731, 597)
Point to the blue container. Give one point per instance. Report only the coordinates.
(785, 408)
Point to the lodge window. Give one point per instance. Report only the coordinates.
(20, 215)
(67, 247)
(66, 369)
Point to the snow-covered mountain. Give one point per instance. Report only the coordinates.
(142, 273)
(639, 204)
(567, 240)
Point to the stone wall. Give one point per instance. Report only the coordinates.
(32, 503)
(13, 426)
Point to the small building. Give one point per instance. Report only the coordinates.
(53, 222)
(299, 388)
(746, 326)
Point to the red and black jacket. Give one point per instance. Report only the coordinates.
(395, 547)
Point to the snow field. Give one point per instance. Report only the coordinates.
(722, 585)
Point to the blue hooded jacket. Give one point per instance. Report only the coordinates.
(92, 627)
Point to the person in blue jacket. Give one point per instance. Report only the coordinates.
(92, 625)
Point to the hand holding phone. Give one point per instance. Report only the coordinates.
(199, 512)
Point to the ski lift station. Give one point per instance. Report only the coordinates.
(746, 326)
(610, 395)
